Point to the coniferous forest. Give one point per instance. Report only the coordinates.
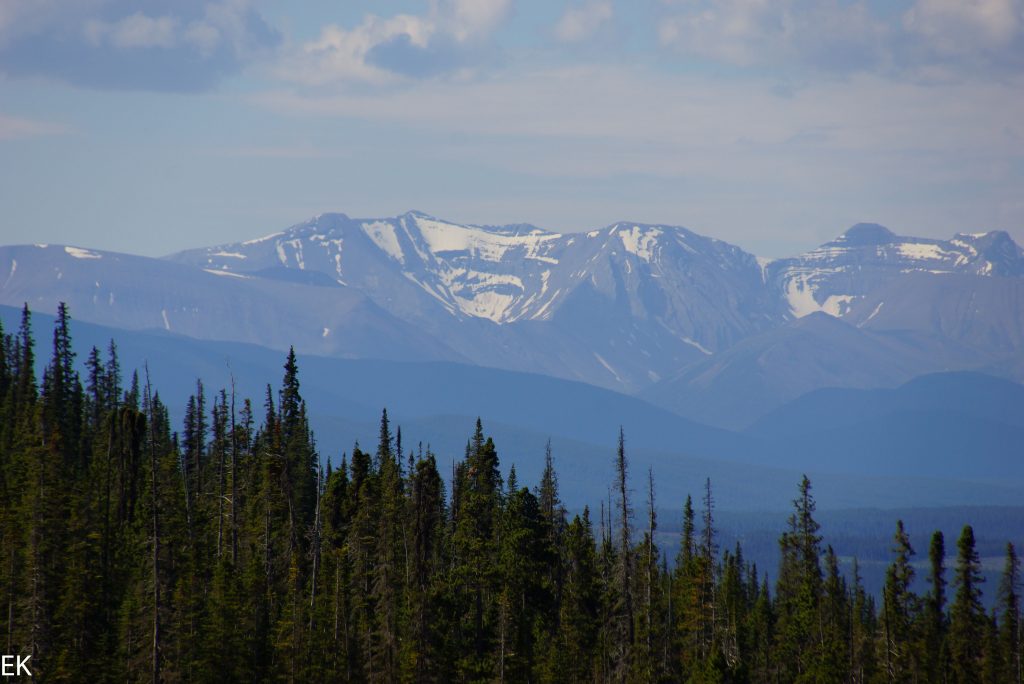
(221, 550)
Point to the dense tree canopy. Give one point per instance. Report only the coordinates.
(225, 552)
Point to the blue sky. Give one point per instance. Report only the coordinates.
(149, 126)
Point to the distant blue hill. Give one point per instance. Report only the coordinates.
(437, 403)
(957, 424)
(975, 394)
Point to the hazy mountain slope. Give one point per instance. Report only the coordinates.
(437, 403)
(545, 404)
(986, 314)
(736, 387)
(974, 395)
(693, 323)
(958, 424)
(139, 293)
(907, 443)
(618, 307)
(629, 305)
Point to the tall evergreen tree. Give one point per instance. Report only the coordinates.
(624, 637)
(799, 590)
(934, 612)
(899, 609)
(228, 554)
(967, 616)
(1009, 608)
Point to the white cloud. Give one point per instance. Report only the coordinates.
(135, 31)
(473, 19)
(670, 112)
(963, 27)
(341, 54)
(99, 43)
(720, 150)
(928, 39)
(831, 33)
(580, 22)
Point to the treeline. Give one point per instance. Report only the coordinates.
(224, 552)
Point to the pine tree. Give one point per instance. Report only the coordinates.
(836, 618)
(934, 613)
(1009, 607)
(624, 639)
(112, 380)
(899, 608)
(799, 590)
(553, 530)
(686, 595)
(475, 547)
(967, 617)
(579, 609)
(705, 579)
(129, 554)
(423, 652)
(390, 554)
(62, 396)
(647, 664)
(862, 631)
(96, 396)
(523, 595)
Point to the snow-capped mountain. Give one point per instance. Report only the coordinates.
(620, 307)
(835, 276)
(503, 274)
(631, 306)
(140, 293)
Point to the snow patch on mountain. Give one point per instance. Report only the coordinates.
(800, 295)
(922, 251)
(607, 366)
(697, 345)
(479, 243)
(874, 313)
(216, 272)
(640, 241)
(383, 235)
(79, 253)
(838, 305)
(264, 238)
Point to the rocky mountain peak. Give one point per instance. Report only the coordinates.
(863, 234)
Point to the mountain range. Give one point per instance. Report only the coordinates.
(688, 322)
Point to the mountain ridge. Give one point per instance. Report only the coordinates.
(631, 306)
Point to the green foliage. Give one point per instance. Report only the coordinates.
(225, 553)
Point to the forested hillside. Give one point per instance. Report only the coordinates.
(132, 550)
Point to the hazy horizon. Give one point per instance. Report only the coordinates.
(154, 128)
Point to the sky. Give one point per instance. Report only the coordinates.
(151, 126)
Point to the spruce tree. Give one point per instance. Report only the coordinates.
(899, 608)
(934, 613)
(622, 653)
(967, 616)
(1009, 622)
(799, 591)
